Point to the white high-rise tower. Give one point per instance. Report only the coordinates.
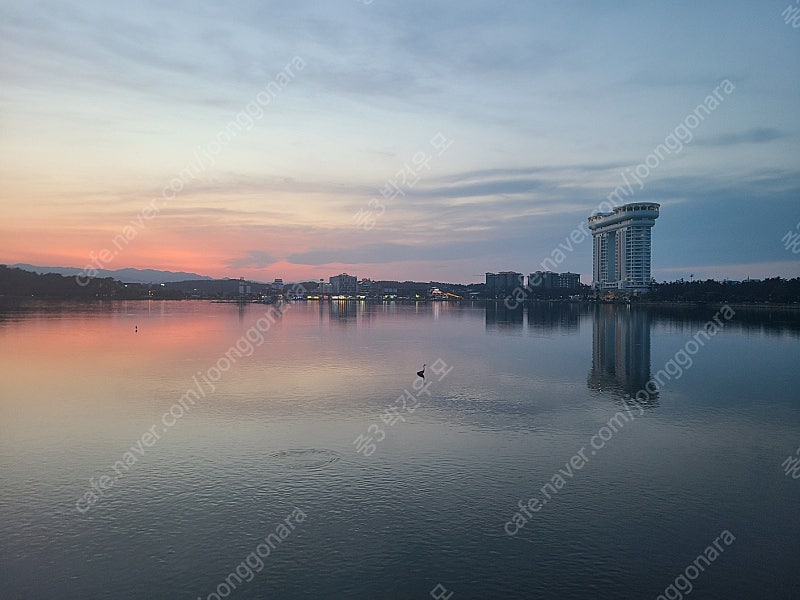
(622, 247)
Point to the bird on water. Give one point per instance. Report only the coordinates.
(422, 372)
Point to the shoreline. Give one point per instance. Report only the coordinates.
(529, 301)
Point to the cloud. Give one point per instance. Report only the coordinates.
(377, 253)
(757, 135)
(485, 188)
(531, 170)
(657, 78)
(254, 258)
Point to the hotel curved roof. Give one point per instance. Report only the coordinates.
(634, 210)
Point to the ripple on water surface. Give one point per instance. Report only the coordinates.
(304, 459)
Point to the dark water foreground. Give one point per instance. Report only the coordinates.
(245, 453)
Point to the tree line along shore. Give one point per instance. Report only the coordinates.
(18, 283)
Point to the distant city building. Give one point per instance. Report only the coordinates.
(548, 280)
(407, 290)
(543, 280)
(365, 286)
(503, 282)
(570, 281)
(384, 289)
(413, 290)
(344, 284)
(622, 247)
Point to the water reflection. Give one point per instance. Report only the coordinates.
(343, 310)
(776, 321)
(564, 317)
(80, 387)
(499, 316)
(620, 351)
(540, 317)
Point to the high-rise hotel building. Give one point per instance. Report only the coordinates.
(622, 247)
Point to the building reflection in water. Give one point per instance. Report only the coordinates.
(621, 352)
(544, 317)
(343, 311)
(499, 316)
(541, 317)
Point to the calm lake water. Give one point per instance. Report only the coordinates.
(216, 442)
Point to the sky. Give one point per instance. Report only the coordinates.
(423, 140)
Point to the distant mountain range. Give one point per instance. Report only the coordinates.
(124, 275)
